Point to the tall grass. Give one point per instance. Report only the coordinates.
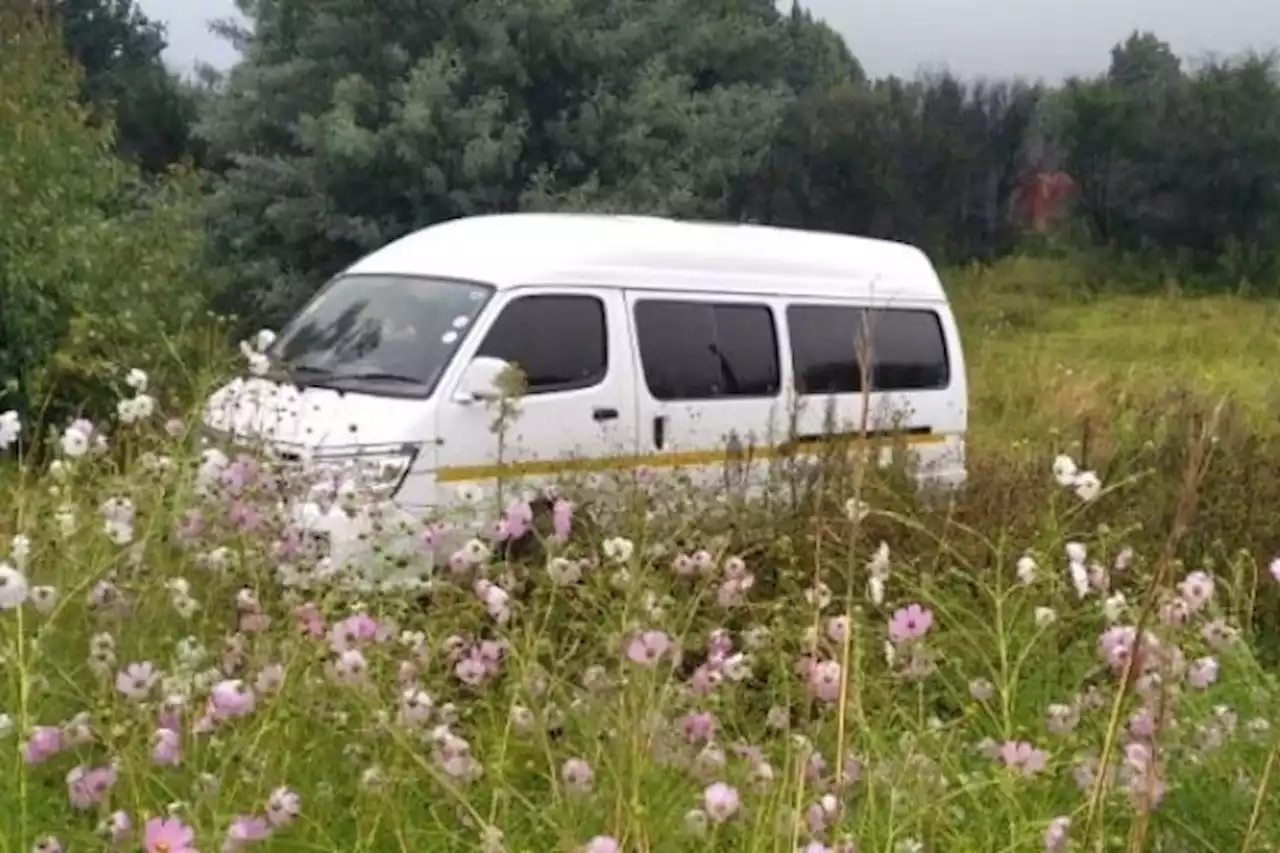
(655, 669)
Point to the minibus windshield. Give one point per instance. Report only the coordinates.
(380, 334)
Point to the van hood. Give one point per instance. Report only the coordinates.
(260, 409)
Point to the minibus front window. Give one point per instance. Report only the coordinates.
(379, 334)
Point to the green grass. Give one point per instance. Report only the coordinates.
(543, 732)
(1043, 353)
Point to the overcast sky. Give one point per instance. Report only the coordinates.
(1035, 38)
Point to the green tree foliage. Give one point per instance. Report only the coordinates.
(126, 81)
(351, 122)
(935, 162)
(1188, 163)
(99, 272)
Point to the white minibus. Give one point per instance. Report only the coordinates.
(642, 342)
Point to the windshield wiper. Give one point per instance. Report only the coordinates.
(309, 368)
(373, 375)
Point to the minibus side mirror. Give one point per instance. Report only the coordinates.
(481, 380)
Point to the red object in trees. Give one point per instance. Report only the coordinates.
(1043, 196)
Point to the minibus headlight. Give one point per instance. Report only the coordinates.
(365, 472)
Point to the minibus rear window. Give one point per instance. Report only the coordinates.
(383, 334)
(907, 347)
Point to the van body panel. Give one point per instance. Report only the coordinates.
(614, 419)
(716, 442)
(315, 418)
(552, 433)
(515, 249)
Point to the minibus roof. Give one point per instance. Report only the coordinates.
(645, 252)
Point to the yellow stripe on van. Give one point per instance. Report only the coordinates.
(673, 459)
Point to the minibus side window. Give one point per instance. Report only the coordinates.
(907, 346)
(560, 342)
(706, 351)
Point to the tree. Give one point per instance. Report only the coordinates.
(100, 271)
(934, 162)
(125, 80)
(350, 123)
(1182, 163)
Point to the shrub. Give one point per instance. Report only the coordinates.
(99, 269)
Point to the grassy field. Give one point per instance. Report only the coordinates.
(1021, 670)
(1045, 355)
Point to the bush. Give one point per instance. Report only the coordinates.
(99, 269)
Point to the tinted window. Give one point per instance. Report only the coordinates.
(907, 348)
(702, 351)
(558, 341)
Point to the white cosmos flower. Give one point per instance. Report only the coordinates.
(1087, 485)
(1064, 470)
(875, 589)
(20, 549)
(263, 340)
(618, 549)
(75, 442)
(1113, 608)
(1079, 578)
(878, 565)
(44, 598)
(14, 588)
(10, 429)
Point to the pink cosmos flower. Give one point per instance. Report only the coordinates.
(1116, 645)
(1202, 673)
(136, 680)
(910, 623)
(168, 835)
(720, 801)
(1023, 757)
(1055, 835)
(246, 517)
(355, 630)
(577, 775)
(699, 727)
(166, 749)
(1197, 589)
(283, 807)
(825, 679)
(561, 519)
(243, 830)
(190, 524)
(646, 648)
(44, 743)
(602, 844)
(231, 698)
(86, 788)
(471, 670)
(310, 622)
(118, 826)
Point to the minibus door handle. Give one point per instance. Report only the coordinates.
(659, 431)
(604, 414)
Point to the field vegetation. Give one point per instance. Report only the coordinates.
(1076, 653)
(668, 671)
